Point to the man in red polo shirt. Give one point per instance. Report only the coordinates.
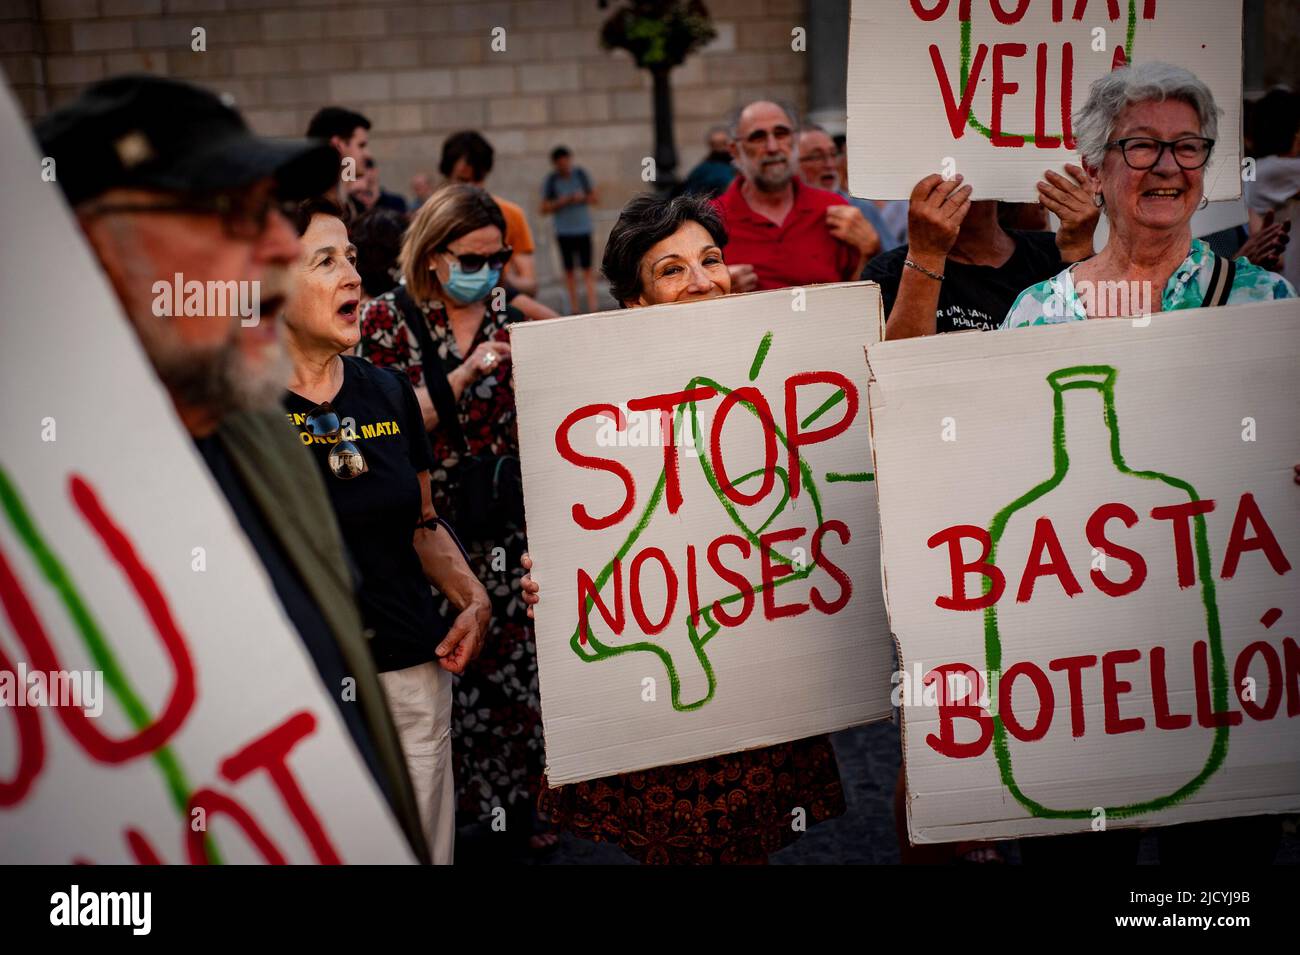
(780, 231)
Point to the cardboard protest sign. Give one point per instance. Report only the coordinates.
(701, 515)
(988, 88)
(1090, 534)
(157, 704)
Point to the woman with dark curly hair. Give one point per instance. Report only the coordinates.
(735, 808)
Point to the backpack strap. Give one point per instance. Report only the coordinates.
(435, 382)
(1221, 279)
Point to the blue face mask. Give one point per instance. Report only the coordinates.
(466, 287)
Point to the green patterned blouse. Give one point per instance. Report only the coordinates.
(1059, 300)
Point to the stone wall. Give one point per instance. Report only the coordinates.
(420, 71)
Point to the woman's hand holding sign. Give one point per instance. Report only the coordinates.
(1071, 201)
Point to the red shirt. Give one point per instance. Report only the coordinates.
(799, 251)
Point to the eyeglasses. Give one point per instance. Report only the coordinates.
(1141, 152)
(472, 261)
(819, 157)
(346, 459)
(244, 215)
(780, 133)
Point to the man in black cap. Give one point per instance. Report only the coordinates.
(171, 188)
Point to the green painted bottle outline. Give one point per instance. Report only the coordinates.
(1102, 378)
(964, 74)
(601, 651)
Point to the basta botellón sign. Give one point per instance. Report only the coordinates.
(1090, 535)
(701, 516)
(157, 707)
(987, 88)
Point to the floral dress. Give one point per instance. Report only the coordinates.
(732, 809)
(496, 715)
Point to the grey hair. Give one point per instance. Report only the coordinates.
(1139, 83)
(733, 118)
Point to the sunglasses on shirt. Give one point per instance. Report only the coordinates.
(472, 261)
(346, 459)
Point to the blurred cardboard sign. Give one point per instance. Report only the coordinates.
(954, 86)
(1127, 654)
(714, 585)
(193, 725)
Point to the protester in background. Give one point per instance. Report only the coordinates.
(206, 205)
(467, 157)
(349, 133)
(1145, 135)
(441, 330)
(371, 195)
(364, 427)
(421, 189)
(893, 212)
(366, 195)
(378, 238)
(1273, 198)
(385, 199)
(784, 233)
(960, 267)
(735, 808)
(713, 174)
(568, 193)
(819, 166)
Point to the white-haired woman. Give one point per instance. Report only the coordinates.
(1146, 134)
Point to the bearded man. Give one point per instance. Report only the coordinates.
(170, 188)
(783, 232)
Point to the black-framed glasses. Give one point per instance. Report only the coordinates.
(345, 459)
(1143, 152)
(243, 215)
(472, 261)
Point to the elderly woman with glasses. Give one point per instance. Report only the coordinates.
(738, 807)
(1146, 134)
(364, 427)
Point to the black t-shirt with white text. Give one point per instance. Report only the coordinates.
(975, 296)
(378, 511)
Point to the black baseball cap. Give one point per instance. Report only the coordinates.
(150, 132)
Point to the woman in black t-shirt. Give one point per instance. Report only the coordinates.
(364, 426)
